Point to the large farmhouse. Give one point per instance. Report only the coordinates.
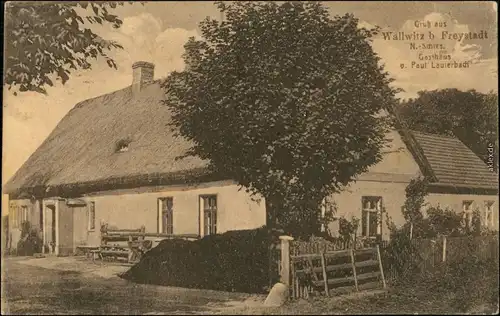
(113, 159)
(459, 180)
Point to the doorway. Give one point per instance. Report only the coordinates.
(53, 225)
(50, 228)
(40, 211)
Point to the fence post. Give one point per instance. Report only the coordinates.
(444, 248)
(285, 260)
(325, 277)
(379, 257)
(353, 264)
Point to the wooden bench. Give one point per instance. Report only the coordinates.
(96, 254)
(85, 250)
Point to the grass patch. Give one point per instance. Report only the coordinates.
(470, 286)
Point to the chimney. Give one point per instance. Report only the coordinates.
(143, 73)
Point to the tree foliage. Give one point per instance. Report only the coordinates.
(415, 200)
(436, 221)
(445, 222)
(45, 39)
(284, 99)
(348, 228)
(470, 115)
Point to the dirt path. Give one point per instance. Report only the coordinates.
(66, 286)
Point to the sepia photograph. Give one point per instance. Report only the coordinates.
(250, 158)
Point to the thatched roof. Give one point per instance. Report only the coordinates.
(80, 155)
(82, 148)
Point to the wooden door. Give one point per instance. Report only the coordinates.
(65, 229)
(80, 225)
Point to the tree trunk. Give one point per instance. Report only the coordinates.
(304, 222)
(270, 216)
(301, 219)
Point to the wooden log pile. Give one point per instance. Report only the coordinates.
(130, 244)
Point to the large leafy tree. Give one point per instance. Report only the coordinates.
(50, 38)
(469, 115)
(285, 100)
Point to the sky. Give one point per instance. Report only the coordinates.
(157, 31)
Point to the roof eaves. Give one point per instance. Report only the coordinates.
(439, 187)
(191, 176)
(413, 146)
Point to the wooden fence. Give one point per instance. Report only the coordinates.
(336, 272)
(300, 248)
(426, 256)
(326, 267)
(322, 245)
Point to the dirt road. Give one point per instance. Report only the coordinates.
(71, 287)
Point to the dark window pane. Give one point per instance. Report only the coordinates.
(164, 222)
(92, 215)
(166, 218)
(365, 203)
(170, 203)
(373, 224)
(363, 223)
(41, 214)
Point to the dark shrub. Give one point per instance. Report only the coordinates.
(233, 261)
(5, 235)
(30, 242)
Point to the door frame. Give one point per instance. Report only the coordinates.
(55, 204)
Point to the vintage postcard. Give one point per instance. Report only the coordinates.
(250, 157)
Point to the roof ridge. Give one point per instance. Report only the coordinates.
(433, 134)
(115, 91)
(81, 103)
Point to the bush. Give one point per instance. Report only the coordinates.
(401, 256)
(5, 235)
(30, 242)
(233, 261)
